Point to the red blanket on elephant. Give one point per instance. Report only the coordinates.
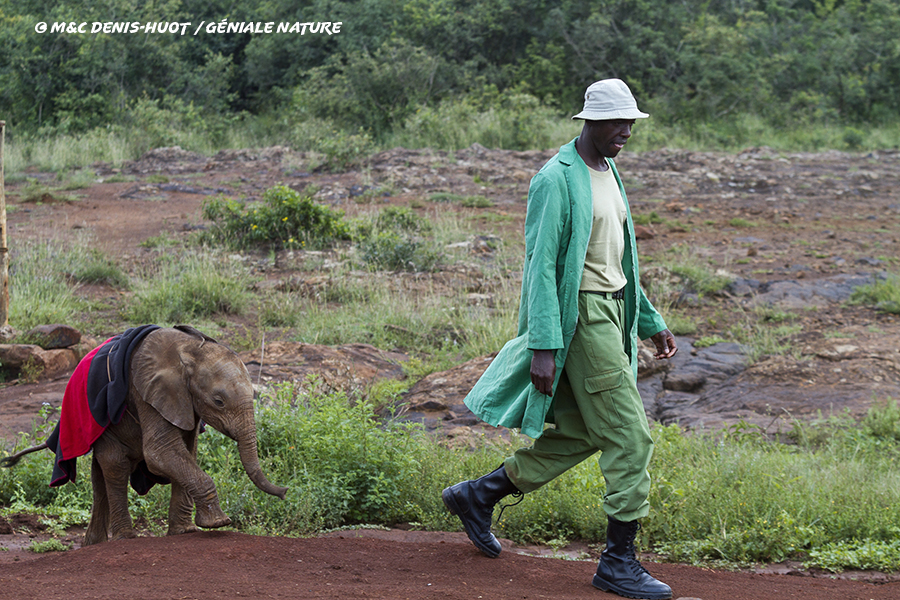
(94, 398)
(77, 428)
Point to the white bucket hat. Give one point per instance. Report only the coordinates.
(609, 99)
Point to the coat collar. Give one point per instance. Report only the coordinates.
(568, 155)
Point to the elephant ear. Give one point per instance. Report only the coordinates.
(196, 333)
(160, 371)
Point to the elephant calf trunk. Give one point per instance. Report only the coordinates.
(250, 460)
(260, 481)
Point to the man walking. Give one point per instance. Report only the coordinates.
(574, 362)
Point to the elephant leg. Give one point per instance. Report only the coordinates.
(98, 527)
(174, 460)
(181, 506)
(116, 467)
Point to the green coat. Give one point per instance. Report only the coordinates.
(557, 231)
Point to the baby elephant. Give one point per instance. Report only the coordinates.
(138, 401)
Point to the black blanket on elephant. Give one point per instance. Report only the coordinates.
(95, 398)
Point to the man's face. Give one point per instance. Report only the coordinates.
(608, 137)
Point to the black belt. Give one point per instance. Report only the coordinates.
(619, 295)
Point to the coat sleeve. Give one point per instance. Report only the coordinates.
(548, 210)
(650, 322)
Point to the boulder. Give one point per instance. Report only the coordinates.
(51, 337)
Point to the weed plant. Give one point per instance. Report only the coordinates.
(405, 313)
(95, 267)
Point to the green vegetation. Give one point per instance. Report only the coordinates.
(647, 219)
(285, 218)
(830, 497)
(884, 295)
(51, 545)
(742, 223)
(39, 289)
(190, 286)
(396, 239)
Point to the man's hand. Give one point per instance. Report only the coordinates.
(543, 371)
(665, 346)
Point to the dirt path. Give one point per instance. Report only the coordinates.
(228, 565)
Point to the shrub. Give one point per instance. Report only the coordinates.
(394, 240)
(286, 218)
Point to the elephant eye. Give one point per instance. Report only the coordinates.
(218, 401)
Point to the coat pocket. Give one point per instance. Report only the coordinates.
(604, 382)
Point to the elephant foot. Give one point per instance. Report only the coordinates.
(211, 518)
(92, 538)
(179, 529)
(124, 535)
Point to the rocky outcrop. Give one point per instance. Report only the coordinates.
(52, 351)
(346, 368)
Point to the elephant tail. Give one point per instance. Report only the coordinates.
(11, 461)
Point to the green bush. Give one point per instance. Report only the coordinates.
(344, 150)
(285, 218)
(395, 239)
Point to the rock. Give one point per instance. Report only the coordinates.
(7, 333)
(869, 261)
(347, 367)
(446, 389)
(742, 287)
(50, 337)
(33, 362)
(684, 381)
(643, 233)
(817, 293)
(648, 365)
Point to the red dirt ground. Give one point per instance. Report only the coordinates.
(229, 565)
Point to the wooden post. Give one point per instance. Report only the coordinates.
(4, 249)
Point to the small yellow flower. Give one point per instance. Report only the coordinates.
(254, 227)
(284, 219)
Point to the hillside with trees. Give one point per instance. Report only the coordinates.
(399, 72)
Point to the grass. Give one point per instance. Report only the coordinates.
(829, 496)
(188, 286)
(40, 289)
(883, 295)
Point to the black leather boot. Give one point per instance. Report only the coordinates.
(620, 571)
(473, 502)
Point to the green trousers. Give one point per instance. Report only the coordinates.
(596, 407)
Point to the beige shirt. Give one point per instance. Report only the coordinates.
(603, 263)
